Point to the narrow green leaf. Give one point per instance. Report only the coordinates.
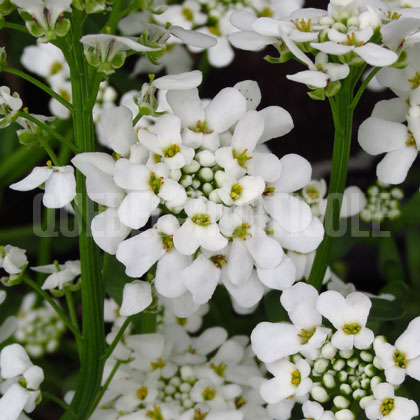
(385, 310)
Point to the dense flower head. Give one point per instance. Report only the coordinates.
(172, 375)
(203, 170)
(13, 261)
(326, 369)
(10, 104)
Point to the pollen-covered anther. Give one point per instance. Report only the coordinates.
(400, 359)
(201, 219)
(241, 157)
(171, 151)
(352, 329)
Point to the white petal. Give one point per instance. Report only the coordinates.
(248, 131)
(265, 165)
(331, 305)
(342, 341)
(277, 389)
(137, 296)
(247, 294)
(363, 339)
(240, 264)
(266, 251)
(332, 48)
(102, 161)
(273, 341)
(314, 78)
(108, 231)
(185, 240)
(201, 279)
(210, 238)
(354, 201)
(137, 207)
(186, 104)
(296, 173)
(277, 123)
(291, 213)
(168, 128)
(380, 136)
(60, 188)
(249, 88)
(393, 168)
(243, 19)
(280, 277)
(13, 361)
(139, 253)
(193, 38)
(168, 280)
(36, 178)
(117, 127)
(13, 402)
(181, 81)
(393, 109)
(131, 176)
(8, 328)
(226, 108)
(377, 56)
(413, 368)
(250, 40)
(221, 55)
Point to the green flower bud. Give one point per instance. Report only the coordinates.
(191, 168)
(345, 389)
(341, 402)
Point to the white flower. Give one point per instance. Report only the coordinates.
(45, 60)
(12, 259)
(10, 104)
(290, 379)
(60, 275)
(167, 142)
(9, 325)
(21, 388)
(386, 405)
(137, 296)
(399, 142)
(314, 411)
(60, 184)
(200, 228)
(349, 316)
(403, 357)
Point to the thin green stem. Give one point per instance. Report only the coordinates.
(15, 27)
(93, 348)
(40, 85)
(44, 244)
(102, 391)
(363, 87)
(49, 130)
(50, 152)
(53, 304)
(73, 317)
(117, 338)
(110, 26)
(7, 235)
(343, 118)
(137, 118)
(96, 82)
(56, 400)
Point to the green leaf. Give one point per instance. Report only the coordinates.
(410, 214)
(385, 310)
(390, 264)
(413, 255)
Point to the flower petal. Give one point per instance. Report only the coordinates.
(137, 296)
(36, 178)
(137, 207)
(277, 123)
(393, 168)
(296, 173)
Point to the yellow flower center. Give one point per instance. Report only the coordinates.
(219, 369)
(201, 219)
(266, 12)
(306, 335)
(64, 94)
(155, 182)
(171, 151)
(209, 393)
(296, 378)
(235, 192)
(241, 232)
(303, 25)
(156, 414)
(157, 365)
(167, 241)
(241, 157)
(142, 393)
(415, 81)
(56, 67)
(387, 406)
(352, 329)
(181, 321)
(239, 402)
(218, 260)
(400, 359)
(312, 193)
(188, 14)
(201, 127)
(198, 415)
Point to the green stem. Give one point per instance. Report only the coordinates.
(102, 391)
(53, 304)
(93, 345)
(117, 338)
(110, 26)
(56, 400)
(16, 27)
(137, 118)
(49, 130)
(363, 87)
(148, 322)
(40, 85)
(343, 117)
(73, 317)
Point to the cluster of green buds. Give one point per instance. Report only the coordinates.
(383, 202)
(203, 177)
(40, 329)
(344, 379)
(30, 133)
(92, 6)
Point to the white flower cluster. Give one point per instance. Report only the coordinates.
(172, 376)
(48, 62)
(345, 35)
(20, 380)
(332, 371)
(383, 202)
(38, 329)
(212, 18)
(13, 261)
(225, 203)
(394, 127)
